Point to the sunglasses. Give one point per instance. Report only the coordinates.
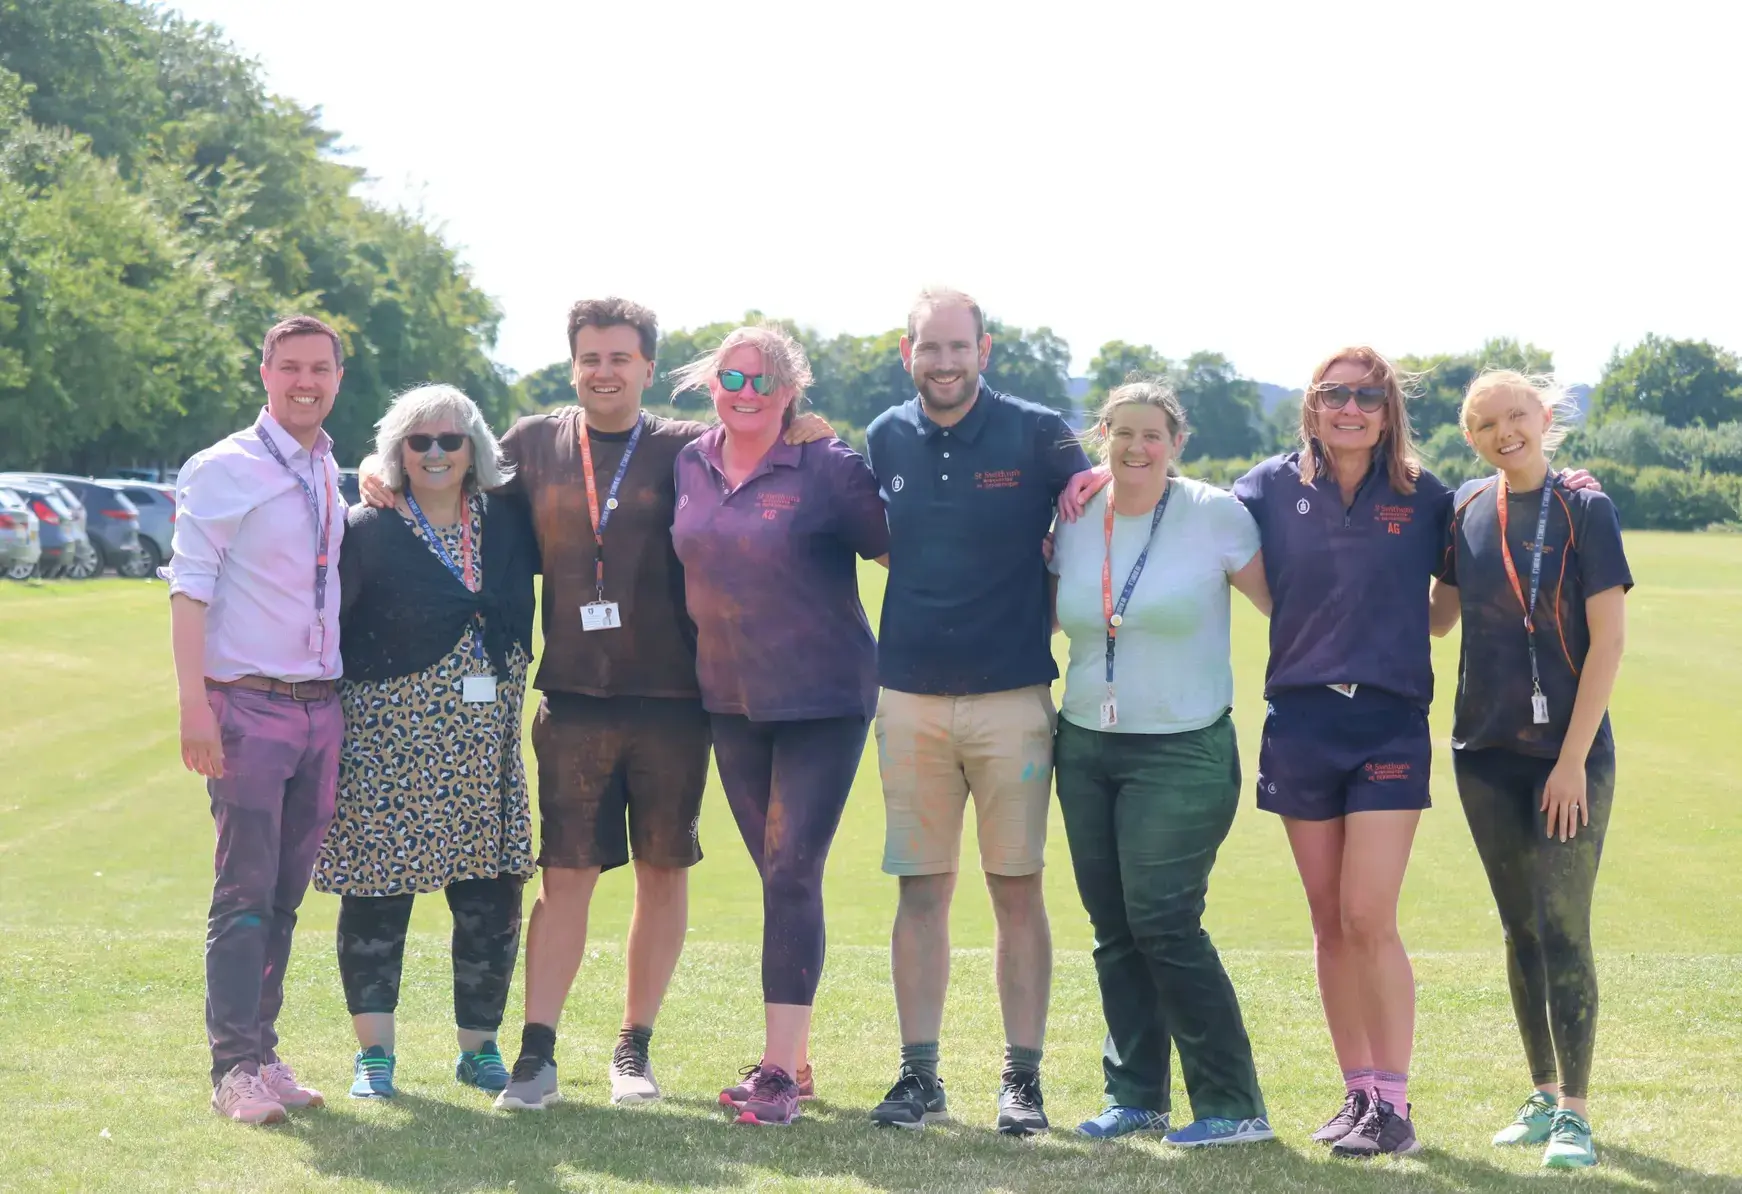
(452, 441)
(1368, 398)
(732, 380)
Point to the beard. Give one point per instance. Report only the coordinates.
(969, 387)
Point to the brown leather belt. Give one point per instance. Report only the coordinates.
(301, 690)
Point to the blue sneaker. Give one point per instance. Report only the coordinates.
(1118, 1121)
(483, 1069)
(374, 1078)
(1205, 1132)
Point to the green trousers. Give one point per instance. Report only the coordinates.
(1145, 815)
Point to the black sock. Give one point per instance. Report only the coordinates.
(538, 1040)
(640, 1036)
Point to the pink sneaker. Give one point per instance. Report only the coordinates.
(773, 1100)
(241, 1096)
(282, 1085)
(737, 1096)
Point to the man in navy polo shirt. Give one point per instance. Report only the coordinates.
(970, 477)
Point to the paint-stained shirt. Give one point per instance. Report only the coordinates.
(966, 609)
(246, 545)
(1581, 556)
(652, 654)
(772, 579)
(1349, 583)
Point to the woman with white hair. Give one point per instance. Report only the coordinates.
(435, 608)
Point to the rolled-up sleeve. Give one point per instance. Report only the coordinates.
(209, 508)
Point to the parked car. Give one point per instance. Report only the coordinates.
(66, 549)
(20, 536)
(156, 505)
(109, 520)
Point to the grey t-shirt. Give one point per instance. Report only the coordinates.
(1172, 667)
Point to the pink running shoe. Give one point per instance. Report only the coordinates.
(282, 1085)
(242, 1097)
(737, 1096)
(773, 1100)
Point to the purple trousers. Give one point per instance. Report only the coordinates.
(281, 771)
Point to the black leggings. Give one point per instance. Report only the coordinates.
(486, 943)
(1542, 888)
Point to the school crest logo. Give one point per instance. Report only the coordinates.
(683, 501)
(897, 484)
(1302, 506)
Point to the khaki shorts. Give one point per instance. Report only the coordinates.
(936, 751)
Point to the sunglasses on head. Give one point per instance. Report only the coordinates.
(732, 380)
(1368, 398)
(451, 441)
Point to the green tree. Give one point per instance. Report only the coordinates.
(1030, 364)
(1224, 409)
(1114, 361)
(1683, 382)
(1442, 378)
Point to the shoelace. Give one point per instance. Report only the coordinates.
(1531, 1108)
(908, 1085)
(488, 1059)
(1372, 1123)
(770, 1084)
(526, 1067)
(1024, 1089)
(253, 1086)
(1568, 1128)
(629, 1059)
(374, 1067)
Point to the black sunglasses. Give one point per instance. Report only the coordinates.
(732, 380)
(452, 441)
(1368, 398)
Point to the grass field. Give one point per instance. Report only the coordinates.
(105, 848)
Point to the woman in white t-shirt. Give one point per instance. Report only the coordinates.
(1147, 767)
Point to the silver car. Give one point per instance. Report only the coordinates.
(156, 505)
(20, 537)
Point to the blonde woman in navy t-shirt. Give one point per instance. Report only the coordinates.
(1542, 583)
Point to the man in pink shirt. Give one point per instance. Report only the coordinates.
(254, 616)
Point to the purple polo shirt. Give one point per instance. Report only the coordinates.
(1349, 583)
(771, 578)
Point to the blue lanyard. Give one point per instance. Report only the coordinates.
(1116, 612)
(323, 530)
(441, 553)
(602, 518)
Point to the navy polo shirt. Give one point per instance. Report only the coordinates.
(966, 608)
(1581, 556)
(772, 580)
(1349, 585)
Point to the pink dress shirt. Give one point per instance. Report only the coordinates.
(245, 545)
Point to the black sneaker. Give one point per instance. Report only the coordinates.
(1381, 1130)
(1355, 1105)
(1021, 1109)
(913, 1102)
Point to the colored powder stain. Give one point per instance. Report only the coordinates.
(247, 920)
(1027, 772)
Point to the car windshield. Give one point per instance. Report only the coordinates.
(11, 501)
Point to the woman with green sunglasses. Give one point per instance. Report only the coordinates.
(769, 535)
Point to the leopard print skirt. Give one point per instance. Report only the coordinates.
(432, 790)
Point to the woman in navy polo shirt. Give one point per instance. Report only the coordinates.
(1353, 531)
(1542, 582)
(769, 535)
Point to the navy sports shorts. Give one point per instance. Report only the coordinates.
(1325, 755)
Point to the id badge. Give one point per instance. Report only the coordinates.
(1109, 713)
(600, 615)
(317, 638)
(477, 690)
(1347, 690)
(1538, 708)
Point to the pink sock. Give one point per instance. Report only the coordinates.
(1393, 1089)
(1358, 1080)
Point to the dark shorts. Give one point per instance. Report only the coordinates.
(620, 776)
(1325, 755)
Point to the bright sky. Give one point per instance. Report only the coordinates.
(1266, 180)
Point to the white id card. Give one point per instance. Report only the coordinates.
(477, 690)
(1347, 690)
(600, 615)
(1109, 713)
(317, 638)
(1539, 708)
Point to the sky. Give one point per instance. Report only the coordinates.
(1269, 181)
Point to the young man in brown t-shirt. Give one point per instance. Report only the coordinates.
(620, 736)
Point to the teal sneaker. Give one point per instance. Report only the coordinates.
(1117, 1121)
(1569, 1143)
(374, 1078)
(1532, 1124)
(1207, 1132)
(483, 1069)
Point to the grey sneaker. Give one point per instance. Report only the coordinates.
(1021, 1109)
(632, 1074)
(913, 1102)
(531, 1087)
(1381, 1132)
